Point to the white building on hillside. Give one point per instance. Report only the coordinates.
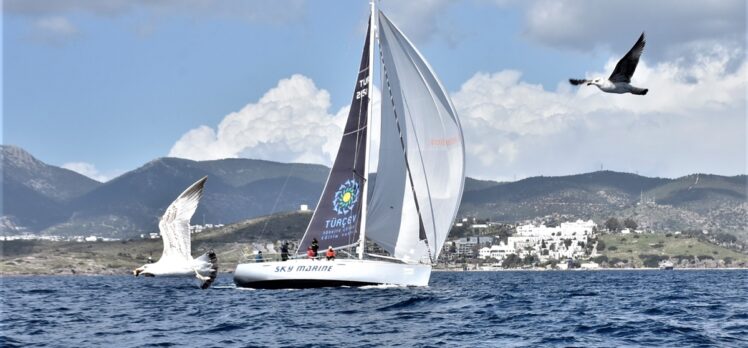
(562, 242)
(466, 245)
(497, 251)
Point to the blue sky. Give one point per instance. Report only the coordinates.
(104, 87)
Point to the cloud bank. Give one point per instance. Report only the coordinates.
(290, 123)
(253, 11)
(692, 120)
(51, 19)
(674, 27)
(88, 170)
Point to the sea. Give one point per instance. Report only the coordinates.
(694, 308)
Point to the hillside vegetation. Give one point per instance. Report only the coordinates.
(231, 244)
(635, 249)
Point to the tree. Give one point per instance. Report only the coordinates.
(725, 238)
(511, 261)
(613, 225)
(652, 261)
(458, 231)
(630, 224)
(567, 243)
(600, 245)
(530, 260)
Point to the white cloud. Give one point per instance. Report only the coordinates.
(692, 120)
(254, 11)
(88, 170)
(53, 30)
(673, 27)
(422, 20)
(290, 123)
(49, 21)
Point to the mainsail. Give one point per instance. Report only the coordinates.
(337, 219)
(420, 173)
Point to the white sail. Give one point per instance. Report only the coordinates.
(418, 187)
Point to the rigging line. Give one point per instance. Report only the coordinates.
(405, 150)
(361, 109)
(277, 199)
(362, 117)
(358, 136)
(356, 130)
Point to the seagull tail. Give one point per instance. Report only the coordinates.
(639, 91)
(209, 273)
(576, 82)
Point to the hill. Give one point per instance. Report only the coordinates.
(38, 199)
(235, 243)
(132, 203)
(231, 243)
(646, 250)
(34, 193)
(713, 202)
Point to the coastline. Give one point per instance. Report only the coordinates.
(589, 269)
(4, 274)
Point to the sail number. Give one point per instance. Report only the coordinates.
(362, 83)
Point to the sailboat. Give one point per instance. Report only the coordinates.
(393, 227)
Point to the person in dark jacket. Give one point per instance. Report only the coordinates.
(315, 246)
(284, 251)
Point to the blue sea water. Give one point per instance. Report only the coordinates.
(473, 309)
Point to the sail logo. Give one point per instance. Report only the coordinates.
(346, 197)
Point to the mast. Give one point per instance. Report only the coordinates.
(365, 196)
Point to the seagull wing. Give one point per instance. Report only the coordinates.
(576, 82)
(175, 224)
(627, 65)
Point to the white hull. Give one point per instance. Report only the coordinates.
(321, 273)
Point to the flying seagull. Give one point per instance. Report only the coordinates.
(620, 80)
(174, 226)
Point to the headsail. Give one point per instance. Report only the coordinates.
(337, 219)
(419, 183)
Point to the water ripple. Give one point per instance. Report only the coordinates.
(482, 309)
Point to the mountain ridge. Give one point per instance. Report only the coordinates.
(240, 189)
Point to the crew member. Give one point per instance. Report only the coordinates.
(315, 246)
(310, 253)
(284, 251)
(258, 257)
(330, 253)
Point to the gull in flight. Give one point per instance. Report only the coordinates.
(174, 226)
(620, 80)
